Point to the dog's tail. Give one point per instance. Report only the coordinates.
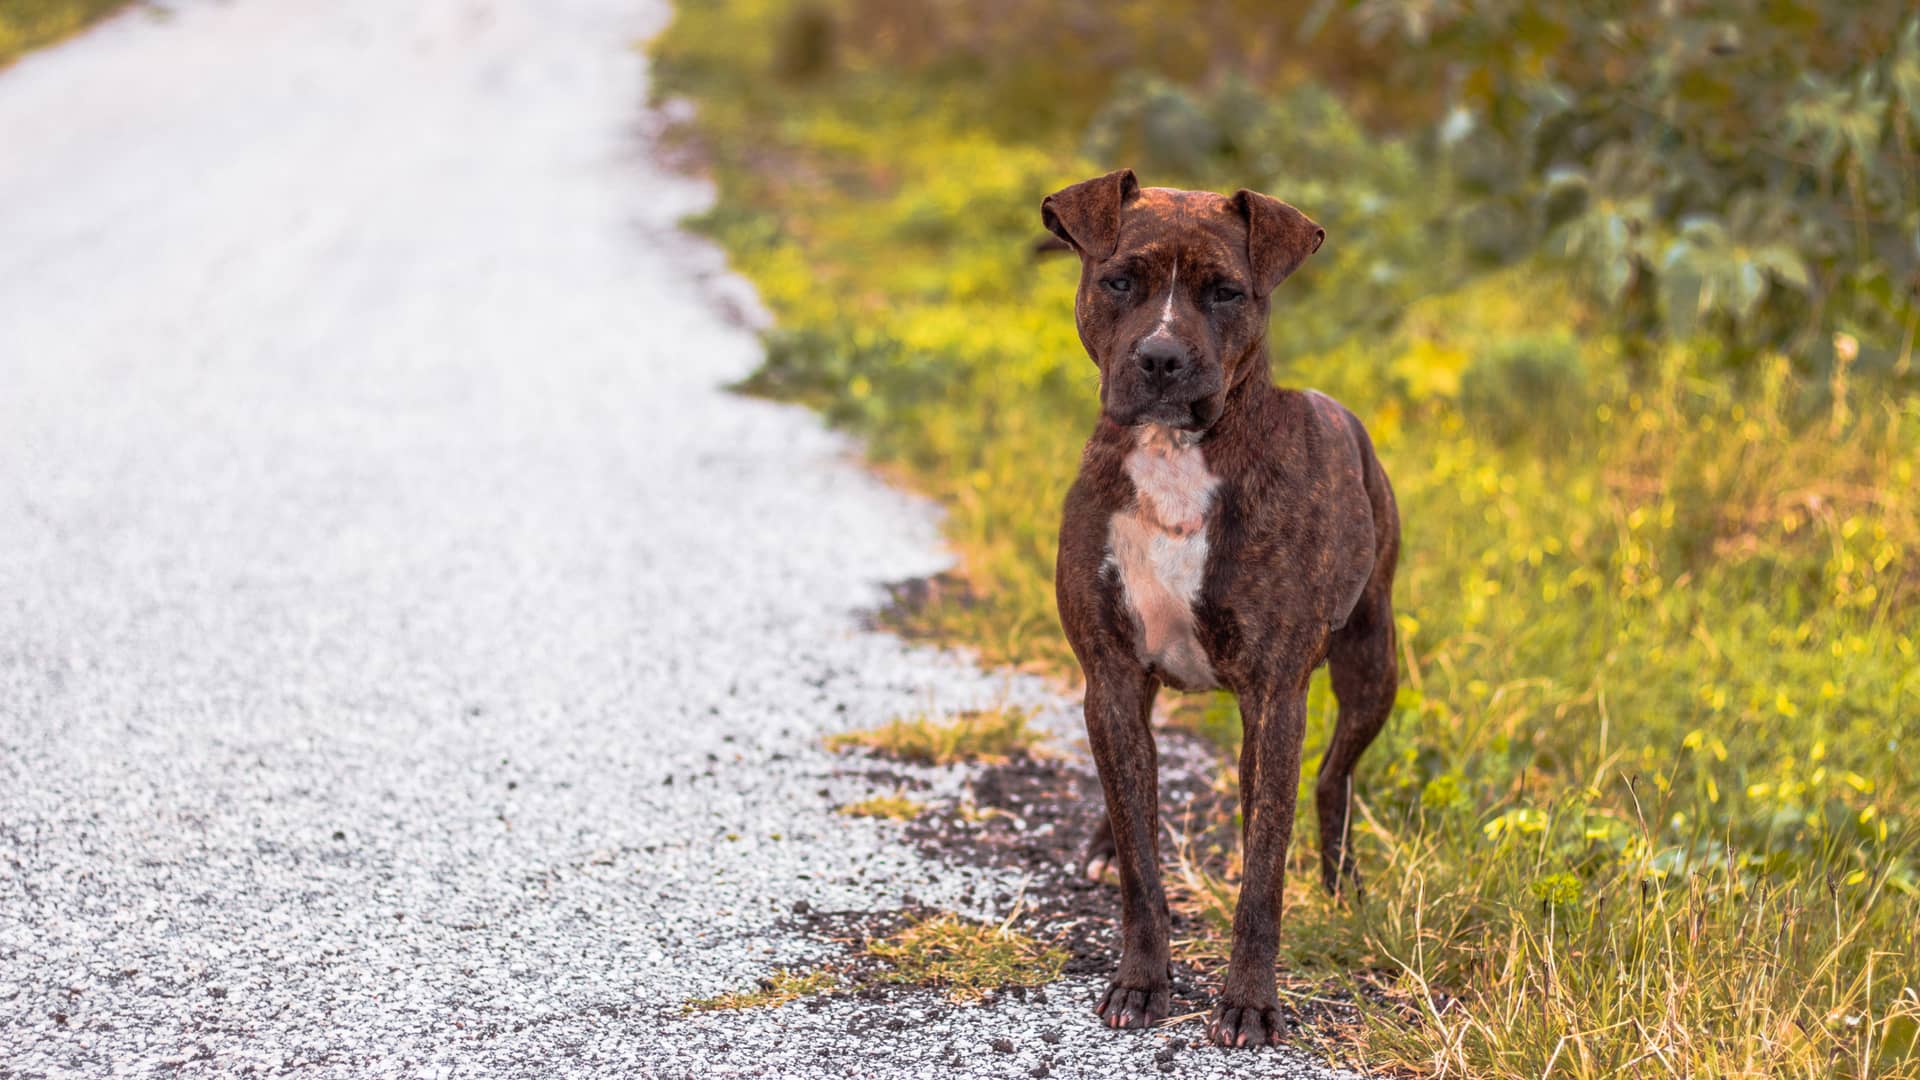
(1049, 245)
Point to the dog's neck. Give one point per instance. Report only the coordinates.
(1252, 379)
(1245, 400)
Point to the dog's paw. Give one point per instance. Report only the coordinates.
(1245, 1025)
(1100, 857)
(1096, 869)
(1124, 1006)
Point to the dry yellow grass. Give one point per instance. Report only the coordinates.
(986, 735)
(966, 959)
(894, 807)
(31, 24)
(778, 989)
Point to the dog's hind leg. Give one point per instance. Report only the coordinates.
(1099, 855)
(1361, 660)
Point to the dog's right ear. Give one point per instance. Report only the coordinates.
(1087, 215)
(1279, 238)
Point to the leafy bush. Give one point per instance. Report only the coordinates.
(1750, 167)
(1528, 387)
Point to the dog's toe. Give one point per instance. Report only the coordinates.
(1132, 1006)
(1240, 1026)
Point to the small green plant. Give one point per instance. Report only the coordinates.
(966, 958)
(894, 807)
(989, 735)
(775, 990)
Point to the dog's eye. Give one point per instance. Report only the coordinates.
(1118, 284)
(1226, 294)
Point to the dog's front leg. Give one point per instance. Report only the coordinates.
(1119, 728)
(1274, 719)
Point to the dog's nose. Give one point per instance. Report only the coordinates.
(1160, 359)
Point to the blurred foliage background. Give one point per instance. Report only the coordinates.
(1626, 293)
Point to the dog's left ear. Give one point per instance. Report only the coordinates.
(1279, 238)
(1087, 214)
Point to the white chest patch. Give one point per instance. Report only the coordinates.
(1158, 547)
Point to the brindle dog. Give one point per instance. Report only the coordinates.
(1222, 533)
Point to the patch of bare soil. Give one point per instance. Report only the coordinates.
(1033, 816)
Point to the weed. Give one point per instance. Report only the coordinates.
(894, 807)
(989, 735)
(775, 990)
(966, 958)
(32, 24)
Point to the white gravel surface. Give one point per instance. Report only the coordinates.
(412, 661)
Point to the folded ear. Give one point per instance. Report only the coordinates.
(1087, 215)
(1279, 238)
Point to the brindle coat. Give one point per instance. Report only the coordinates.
(1222, 532)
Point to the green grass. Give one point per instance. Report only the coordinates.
(1499, 961)
(988, 735)
(1647, 802)
(31, 24)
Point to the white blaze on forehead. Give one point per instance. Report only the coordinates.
(1166, 310)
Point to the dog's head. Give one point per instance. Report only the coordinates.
(1174, 289)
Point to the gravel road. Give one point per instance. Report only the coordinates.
(412, 660)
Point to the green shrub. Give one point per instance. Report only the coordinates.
(1528, 388)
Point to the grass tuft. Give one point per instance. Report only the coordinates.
(775, 990)
(986, 735)
(26, 25)
(965, 958)
(1507, 968)
(894, 807)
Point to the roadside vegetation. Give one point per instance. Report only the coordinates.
(983, 735)
(1629, 306)
(963, 959)
(775, 990)
(894, 807)
(966, 959)
(30, 24)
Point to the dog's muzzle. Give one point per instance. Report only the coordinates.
(1166, 384)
